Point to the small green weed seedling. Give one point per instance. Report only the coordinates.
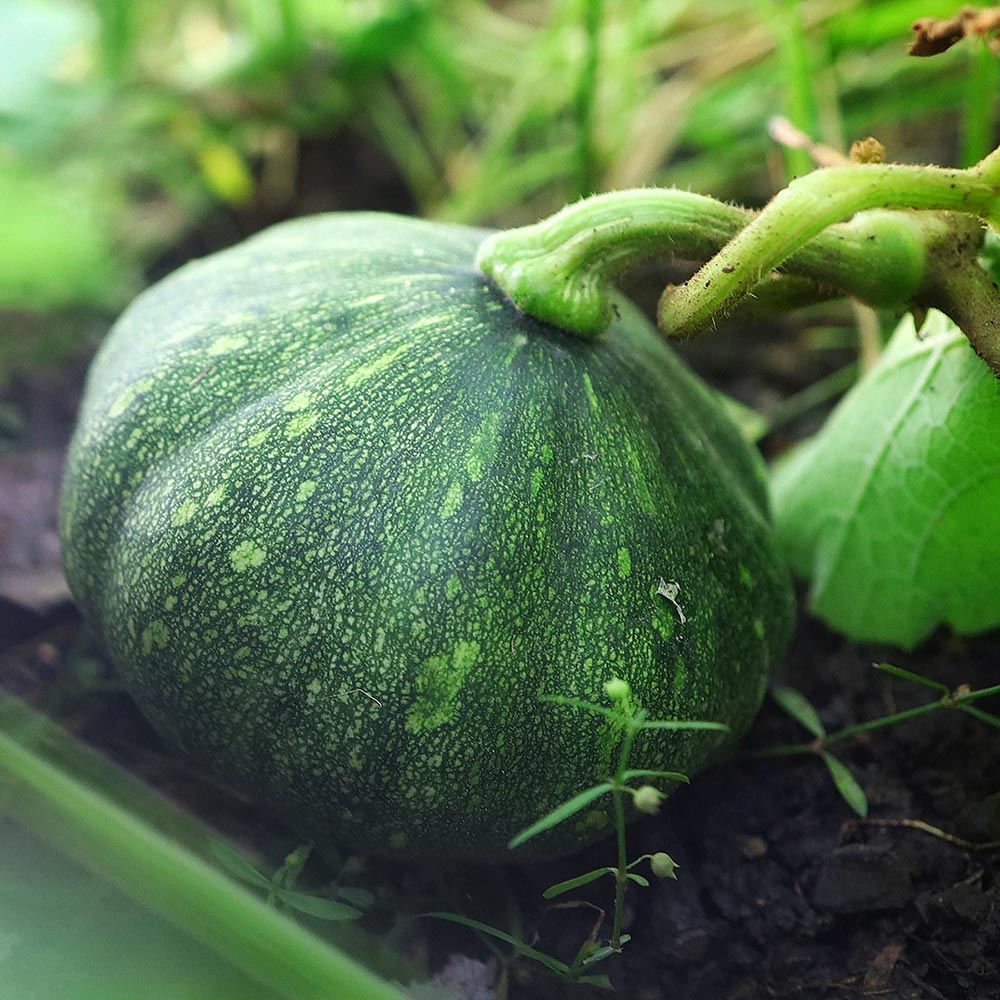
(624, 784)
(962, 699)
(281, 891)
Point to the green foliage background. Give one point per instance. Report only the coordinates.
(124, 124)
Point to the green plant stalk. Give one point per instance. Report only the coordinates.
(981, 693)
(966, 293)
(165, 876)
(116, 38)
(793, 56)
(947, 700)
(562, 269)
(618, 793)
(585, 99)
(979, 112)
(809, 205)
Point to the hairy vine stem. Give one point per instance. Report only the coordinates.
(562, 269)
(808, 206)
(912, 239)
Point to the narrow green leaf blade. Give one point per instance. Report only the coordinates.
(719, 727)
(850, 791)
(665, 775)
(978, 713)
(605, 951)
(317, 906)
(574, 883)
(908, 675)
(561, 813)
(548, 961)
(587, 706)
(361, 898)
(799, 709)
(639, 879)
(599, 982)
(237, 865)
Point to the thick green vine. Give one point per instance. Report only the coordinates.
(912, 239)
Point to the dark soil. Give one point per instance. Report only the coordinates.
(782, 893)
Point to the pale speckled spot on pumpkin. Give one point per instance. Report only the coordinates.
(256, 440)
(483, 447)
(155, 635)
(226, 344)
(592, 400)
(758, 628)
(453, 587)
(452, 499)
(366, 371)
(129, 396)
(439, 681)
(680, 674)
(624, 563)
(518, 341)
(746, 577)
(300, 423)
(306, 489)
(301, 401)
(247, 555)
(216, 496)
(634, 461)
(184, 513)
(537, 475)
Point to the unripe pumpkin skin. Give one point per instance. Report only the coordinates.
(340, 514)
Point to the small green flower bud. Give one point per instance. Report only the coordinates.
(617, 689)
(647, 799)
(663, 866)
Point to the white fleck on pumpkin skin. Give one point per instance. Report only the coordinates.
(344, 556)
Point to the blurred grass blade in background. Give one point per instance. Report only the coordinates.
(221, 930)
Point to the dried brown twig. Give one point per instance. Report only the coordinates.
(934, 35)
(917, 824)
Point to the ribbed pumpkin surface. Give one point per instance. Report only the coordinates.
(341, 514)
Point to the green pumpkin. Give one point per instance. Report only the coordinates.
(340, 514)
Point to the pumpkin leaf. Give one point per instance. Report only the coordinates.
(799, 709)
(561, 813)
(574, 883)
(890, 511)
(850, 791)
(638, 879)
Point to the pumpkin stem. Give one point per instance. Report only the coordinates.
(562, 270)
(959, 287)
(814, 202)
